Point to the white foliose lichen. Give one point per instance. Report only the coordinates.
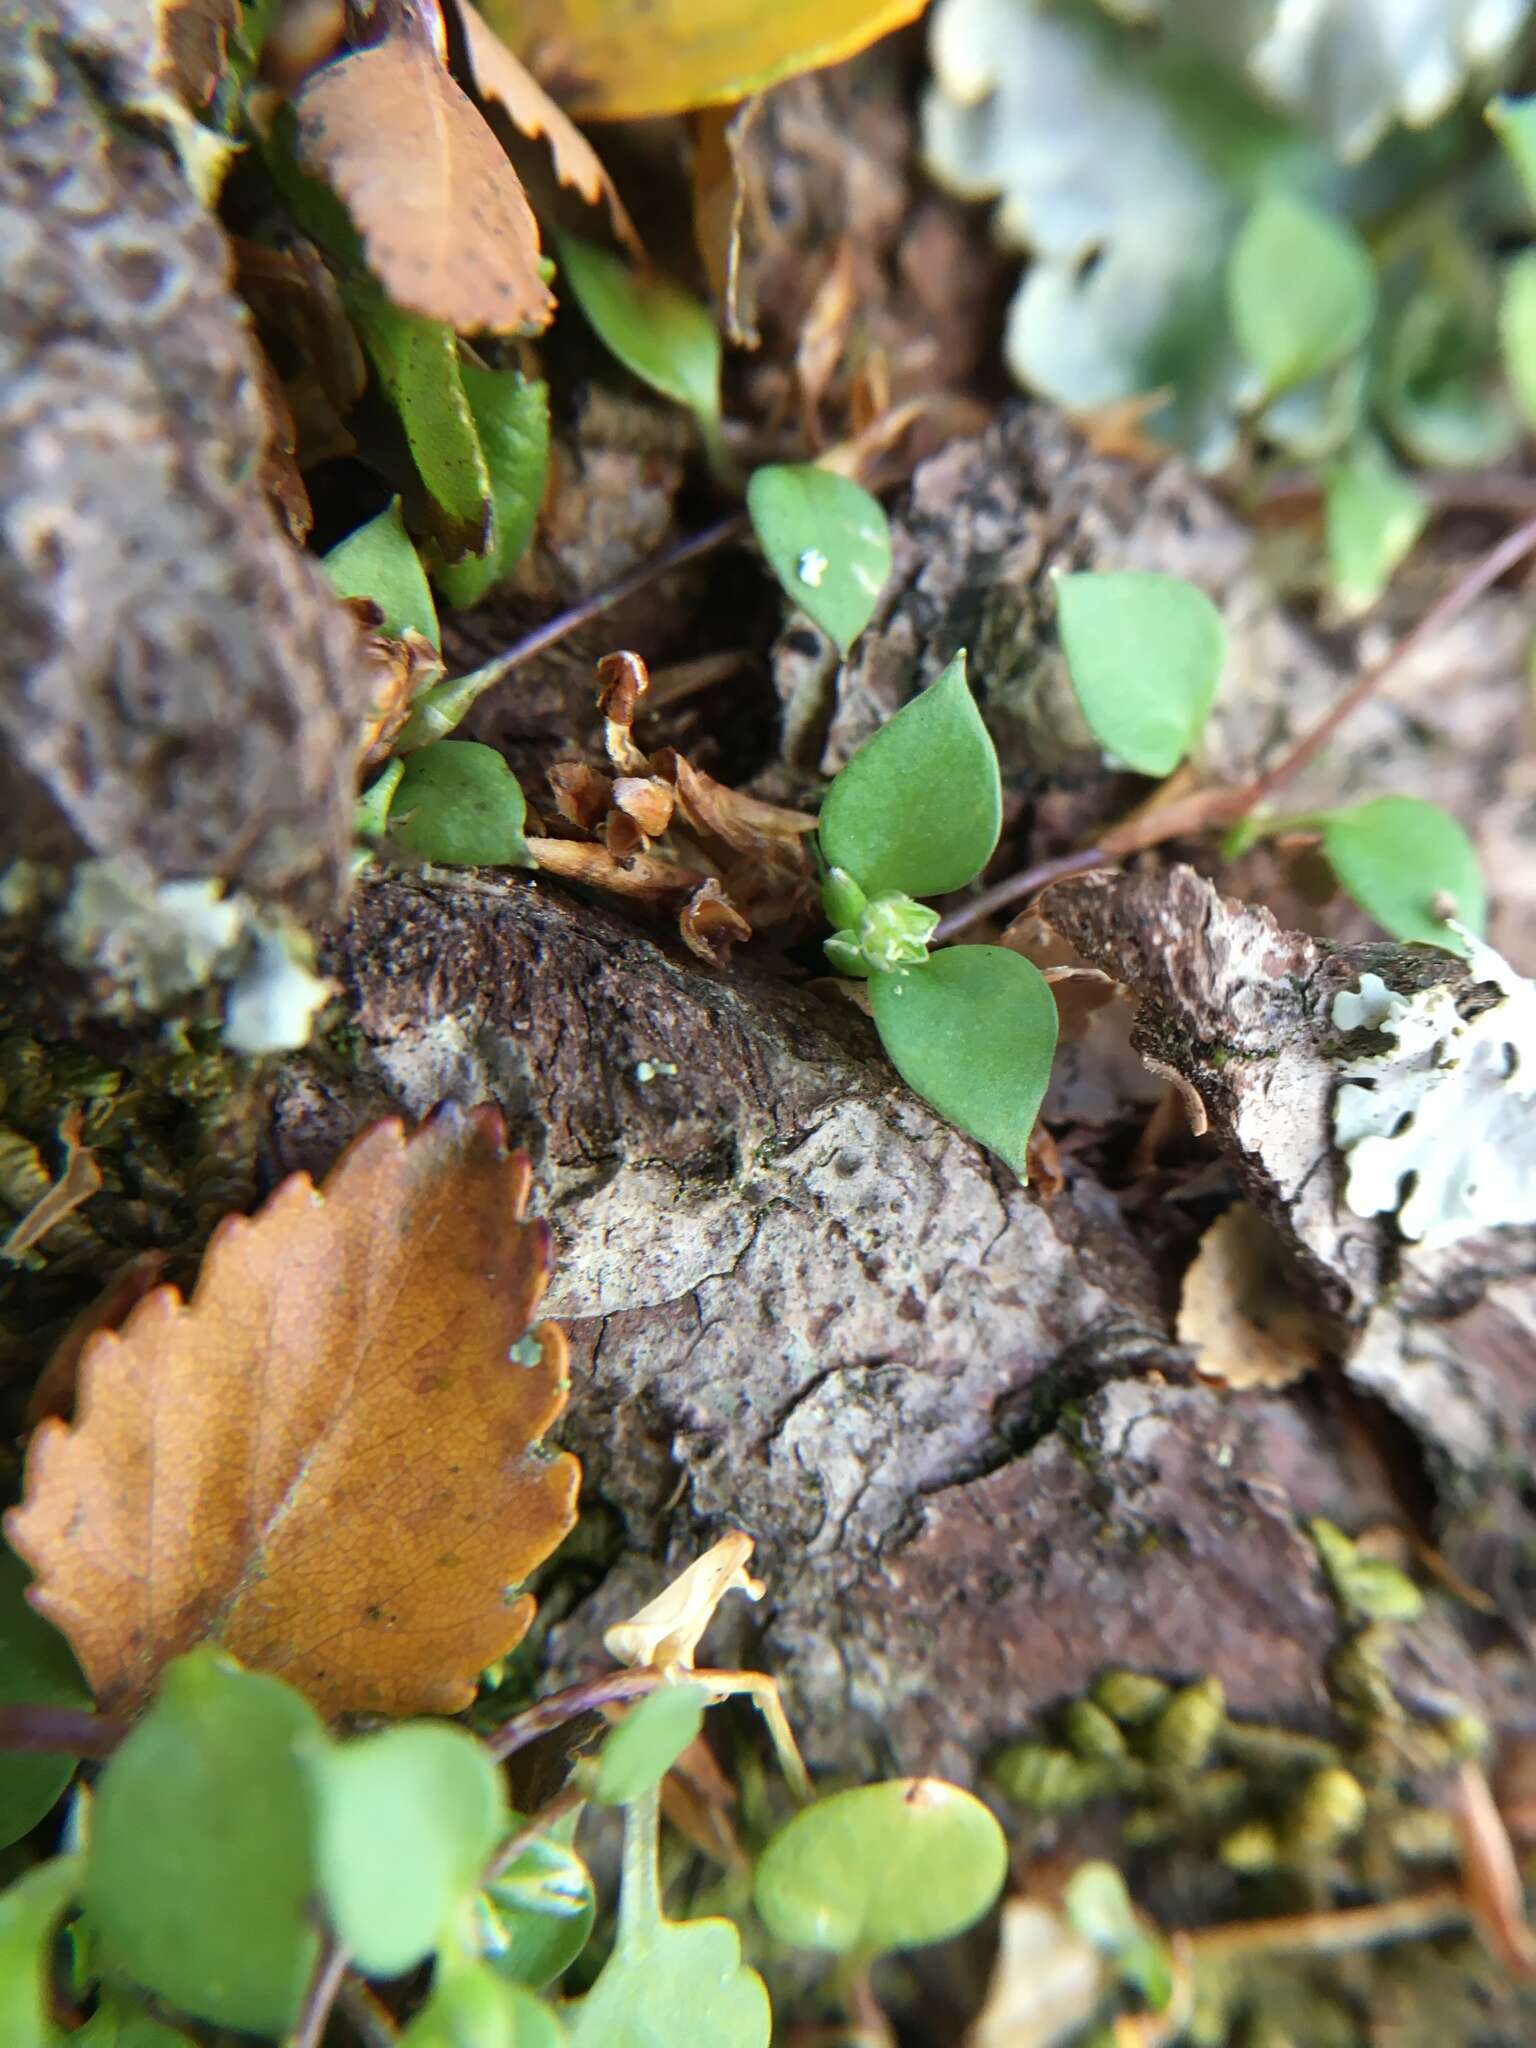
(1441, 1128)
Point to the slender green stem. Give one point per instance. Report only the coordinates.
(640, 1892)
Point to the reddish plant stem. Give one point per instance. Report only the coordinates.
(59, 1731)
(330, 1968)
(612, 1689)
(630, 584)
(1216, 807)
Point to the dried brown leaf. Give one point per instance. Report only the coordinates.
(583, 794)
(329, 1460)
(54, 1393)
(729, 214)
(1239, 1313)
(80, 1180)
(402, 666)
(194, 39)
(506, 82)
(824, 336)
(711, 924)
(644, 877)
(280, 458)
(648, 801)
(761, 831)
(1490, 1875)
(623, 680)
(443, 215)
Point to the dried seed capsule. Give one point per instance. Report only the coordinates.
(1130, 1697)
(1329, 1810)
(1091, 1734)
(1049, 1779)
(1185, 1732)
(1252, 1847)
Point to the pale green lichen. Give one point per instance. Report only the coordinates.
(1441, 1128)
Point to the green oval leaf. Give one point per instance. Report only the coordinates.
(1374, 516)
(1438, 391)
(671, 1984)
(119, 2023)
(470, 2007)
(1301, 290)
(1145, 654)
(826, 539)
(458, 802)
(648, 1742)
(1098, 1907)
(660, 333)
(883, 1866)
(379, 561)
(918, 810)
(417, 364)
(1514, 122)
(30, 1909)
(1517, 330)
(537, 1915)
(1395, 855)
(35, 1665)
(200, 1870)
(406, 1823)
(973, 1031)
(511, 414)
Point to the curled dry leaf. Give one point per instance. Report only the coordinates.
(1239, 1313)
(623, 680)
(500, 78)
(280, 473)
(644, 877)
(824, 336)
(80, 1180)
(583, 794)
(329, 1460)
(193, 43)
(444, 218)
(730, 212)
(1490, 1875)
(666, 1633)
(764, 832)
(402, 666)
(647, 801)
(711, 924)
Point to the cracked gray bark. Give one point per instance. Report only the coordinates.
(178, 683)
(802, 1304)
(1442, 1336)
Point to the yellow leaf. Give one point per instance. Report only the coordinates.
(329, 1459)
(444, 218)
(621, 59)
(500, 78)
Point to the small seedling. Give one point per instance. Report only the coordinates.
(917, 812)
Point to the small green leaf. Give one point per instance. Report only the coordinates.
(407, 1822)
(973, 1031)
(118, 2022)
(1439, 391)
(886, 1866)
(918, 810)
(1301, 290)
(511, 413)
(1374, 516)
(648, 1742)
(35, 1665)
(1145, 654)
(1514, 122)
(417, 365)
(470, 2007)
(535, 1918)
(827, 540)
(30, 1909)
(380, 561)
(458, 802)
(1395, 855)
(671, 1984)
(658, 332)
(1099, 1908)
(668, 1985)
(200, 1870)
(1517, 331)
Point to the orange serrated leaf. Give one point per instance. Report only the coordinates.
(509, 84)
(329, 1459)
(621, 59)
(443, 215)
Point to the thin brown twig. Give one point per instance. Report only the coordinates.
(367, 2012)
(324, 1984)
(1218, 807)
(613, 1688)
(59, 1731)
(1413, 1918)
(630, 584)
